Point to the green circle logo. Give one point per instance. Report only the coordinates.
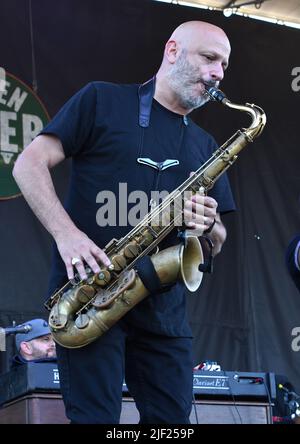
(22, 117)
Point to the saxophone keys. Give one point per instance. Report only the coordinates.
(128, 280)
(119, 262)
(85, 293)
(82, 321)
(57, 321)
(102, 278)
(124, 299)
(131, 250)
(90, 280)
(104, 298)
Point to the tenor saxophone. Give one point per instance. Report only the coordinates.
(83, 310)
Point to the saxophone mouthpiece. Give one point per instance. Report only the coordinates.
(215, 94)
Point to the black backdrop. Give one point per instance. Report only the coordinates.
(244, 313)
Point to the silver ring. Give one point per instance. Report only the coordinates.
(75, 260)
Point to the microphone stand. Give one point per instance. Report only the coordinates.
(12, 331)
(2, 340)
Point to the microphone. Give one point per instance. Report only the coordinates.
(17, 329)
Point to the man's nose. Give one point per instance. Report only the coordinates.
(217, 73)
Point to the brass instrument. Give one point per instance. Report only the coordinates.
(81, 311)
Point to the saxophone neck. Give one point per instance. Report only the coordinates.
(256, 113)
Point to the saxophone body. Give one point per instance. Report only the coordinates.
(82, 311)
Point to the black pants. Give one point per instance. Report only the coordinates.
(157, 369)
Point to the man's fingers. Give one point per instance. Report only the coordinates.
(205, 200)
(79, 265)
(76, 267)
(91, 262)
(199, 210)
(189, 215)
(193, 219)
(79, 253)
(205, 211)
(69, 268)
(101, 256)
(81, 270)
(91, 259)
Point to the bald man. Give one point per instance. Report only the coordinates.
(130, 144)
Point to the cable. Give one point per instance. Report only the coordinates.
(234, 402)
(269, 399)
(34, 79)
(195, 408)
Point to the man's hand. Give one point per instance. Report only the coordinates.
(200, 212)
(84, 252)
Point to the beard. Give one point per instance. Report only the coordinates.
(183, 79)
(43, 354)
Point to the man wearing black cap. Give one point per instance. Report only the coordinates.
(36, 345)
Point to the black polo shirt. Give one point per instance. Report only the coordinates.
(99, 128)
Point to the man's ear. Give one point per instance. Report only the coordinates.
(26, 348)
(171, 51)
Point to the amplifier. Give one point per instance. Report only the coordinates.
(44, 376)
(28, 378)
(231, 385)
(48, 408)
(234, 385)
(220, 397)
(205, 411)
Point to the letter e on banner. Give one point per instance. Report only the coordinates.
(22, 117)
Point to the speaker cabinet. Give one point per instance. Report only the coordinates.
(37, 408)
(45, 408)
(218, 412)
(212, 412)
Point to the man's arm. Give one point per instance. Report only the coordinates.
(218, 235)
(32, 174)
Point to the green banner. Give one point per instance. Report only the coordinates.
(22, 116)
